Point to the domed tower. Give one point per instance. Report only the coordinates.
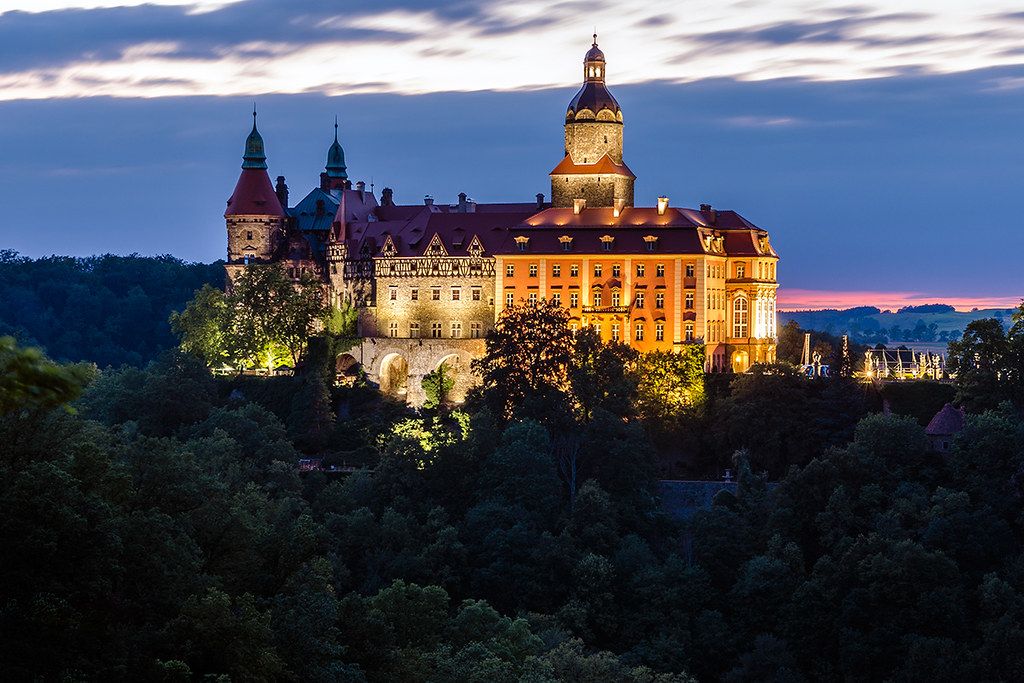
(254, 216)
(593, 169)
(335, 175)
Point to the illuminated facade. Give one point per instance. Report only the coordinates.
(654, 277)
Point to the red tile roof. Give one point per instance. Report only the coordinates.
(254, 195)
(604, 165)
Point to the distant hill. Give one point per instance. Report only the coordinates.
(870, 325)
(110, 310)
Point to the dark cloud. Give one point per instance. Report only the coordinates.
(54, 38)
(842, 30)
(655, 21)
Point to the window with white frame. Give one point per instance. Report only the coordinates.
(532, 297)
(510, 299)
(435, 330)
(641, 270)
(456, 329)
(556, 298)
(475, 330)
(638, 300)
(659, 270)
(688, 332)
(659, 300)
(740, 321)
(510, 269)
(574, 270)
(414, 330)
(393, 329)
(533, 270)
(659, 331)
(615, 332)
(556, 270)
(574, 300)
(616, 299)
(689, 300)
(639, 331)
(598, 270)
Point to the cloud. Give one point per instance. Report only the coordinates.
(819, 299)
(416, 46)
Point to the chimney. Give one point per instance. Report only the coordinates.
(712, 214)
(319, 207)
(618, 206)
(662, 205)
(540, 201)
(325, 181)
(387, 197)
(462, 202)
(428, 200)
(282, 192)
(578, 205)
(361, 186)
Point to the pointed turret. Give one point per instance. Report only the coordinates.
(254, 216)
(336, 157)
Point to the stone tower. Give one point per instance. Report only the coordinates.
(593, 169)
(254, 216)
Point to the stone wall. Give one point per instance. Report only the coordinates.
(397, 366)
(265, 231)
(586, 142)
(597, 189)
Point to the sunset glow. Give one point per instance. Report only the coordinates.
(813, 299)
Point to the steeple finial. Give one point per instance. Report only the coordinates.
(335, 127)
(255, 156)
(595, 38)
(336, 157)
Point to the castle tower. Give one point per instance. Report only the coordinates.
(335, 175)
(254, 216)
(593, 169)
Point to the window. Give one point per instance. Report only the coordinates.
(659, 270)
(456, 294)
(456, 329)
(533, 270)
(567, 244)
(659, 332)
(435, 294)
(659, 300)
(741, 270)
(616, 299)
(650, 244)
(597, 298)
(689, 270)
(556, 298)
(689, 332)
(435, 330)
(248, 234)
(510, 299)
(598, 270)
(574, 270)
(556, 270)
(689, 300)
(606, 245)
(475, 330)
(574, 327)
(532, 297)
(639, 336)
(641, 269)
(739, 317)
(414, 330)
(522, 245)
(615, 332)
(510, 270)
(393, 329)
(393, 293)
(616, 270)
(414, 294)
(638, 300)
(476, 294)
(574, 300)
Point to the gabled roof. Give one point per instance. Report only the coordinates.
(604, 165)
(947, 422)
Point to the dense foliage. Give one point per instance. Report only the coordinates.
(263, 321)
(109, 310)
(163, 531)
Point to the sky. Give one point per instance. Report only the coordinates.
(880, 142)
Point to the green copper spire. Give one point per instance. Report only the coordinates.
(255, 156)
(336, 157)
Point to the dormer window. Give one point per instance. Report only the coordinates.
(606, 242)
(651, 241)
(522, 242)
(566, 242)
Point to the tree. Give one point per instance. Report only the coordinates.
(437, 385)
(29, 381)
(670, 382)
(525, 368)
(202, 326)
(981, 361)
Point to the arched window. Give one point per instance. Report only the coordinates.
(739, 317)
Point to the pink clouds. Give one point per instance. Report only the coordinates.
(791, 299)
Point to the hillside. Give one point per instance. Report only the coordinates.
(867, 324)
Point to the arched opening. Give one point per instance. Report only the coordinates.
(740, 361)
(346, 369)
(394, 376)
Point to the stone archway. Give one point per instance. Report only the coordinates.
(394, 376)
(457, 368)
(346, 369)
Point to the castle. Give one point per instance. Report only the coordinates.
(429, 280)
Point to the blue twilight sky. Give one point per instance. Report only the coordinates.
(880, 142)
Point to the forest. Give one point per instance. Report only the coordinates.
(156, 526)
